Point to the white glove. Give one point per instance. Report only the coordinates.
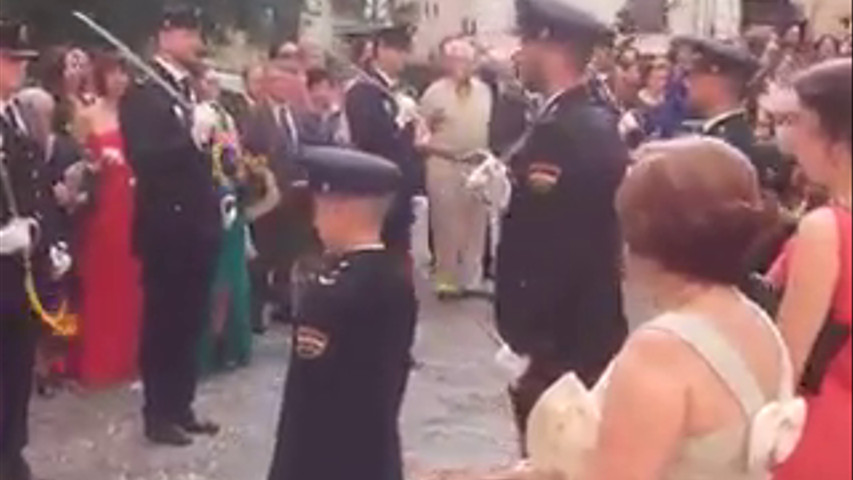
(204, 125)
(60, 260)
(513, 364)
(17, 236)
(228, 210)
(490, 183)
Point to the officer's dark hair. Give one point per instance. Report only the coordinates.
(580, 52)
(695, 206)
(826, 89)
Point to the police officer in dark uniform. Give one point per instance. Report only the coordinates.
(27, 230)
(718, 80)
(353, 333)
(379, 126)
(558, 291)
(176, 229)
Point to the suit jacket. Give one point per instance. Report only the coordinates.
(274, 138)
(286, 232)
(559, 289)
(177, 208)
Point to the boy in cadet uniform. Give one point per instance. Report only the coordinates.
(353, 332)
(559, 301)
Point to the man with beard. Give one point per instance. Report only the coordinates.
(559, 300)
(177, 229)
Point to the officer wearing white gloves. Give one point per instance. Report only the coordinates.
(27, 228)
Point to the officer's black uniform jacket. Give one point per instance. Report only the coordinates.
(372, 112)
(558, 289)
(30, 179)
(736, 130)
(177, 209)
(349, 370)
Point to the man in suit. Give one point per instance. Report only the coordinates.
(272, 131)
(177, 229)
(29, 247)
(380, 124)
(718, 78)
(559, 300)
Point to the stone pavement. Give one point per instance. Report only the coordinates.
(455, 415)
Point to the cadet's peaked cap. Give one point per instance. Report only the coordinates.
(558, 20)
(185, 17)
(15, 40)
(722, 57)
(349, 172)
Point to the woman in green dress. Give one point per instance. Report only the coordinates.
(227, 340)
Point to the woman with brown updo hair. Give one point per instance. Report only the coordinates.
(111, 299)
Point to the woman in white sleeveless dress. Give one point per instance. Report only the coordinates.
(705, 391)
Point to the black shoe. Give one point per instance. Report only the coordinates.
(195, 426)
(168, 434)
(15, 468)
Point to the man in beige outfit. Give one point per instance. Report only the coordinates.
(458, 109)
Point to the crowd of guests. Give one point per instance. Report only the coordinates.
(476, 104)
(685, 390)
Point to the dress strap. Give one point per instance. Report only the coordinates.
(720, 355)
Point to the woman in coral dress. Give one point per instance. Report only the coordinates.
(816, 272)
(108, 272)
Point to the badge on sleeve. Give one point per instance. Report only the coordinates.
(543, 177)
(311, 343)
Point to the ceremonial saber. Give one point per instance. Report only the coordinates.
(133, 58)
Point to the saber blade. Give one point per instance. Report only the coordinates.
(133, 58)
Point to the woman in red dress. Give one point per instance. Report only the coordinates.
(111, 299)
(816, 272)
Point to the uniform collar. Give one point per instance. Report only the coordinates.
(384, 77)
(722, 118)
(556, 99)
(178, 74)
(12, 106)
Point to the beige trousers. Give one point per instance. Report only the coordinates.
(459, 223)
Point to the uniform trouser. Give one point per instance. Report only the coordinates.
(18, 336)
(176, 304)
(459, 223)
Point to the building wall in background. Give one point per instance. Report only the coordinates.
(825, 15)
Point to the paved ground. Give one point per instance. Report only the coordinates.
(455, 414)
